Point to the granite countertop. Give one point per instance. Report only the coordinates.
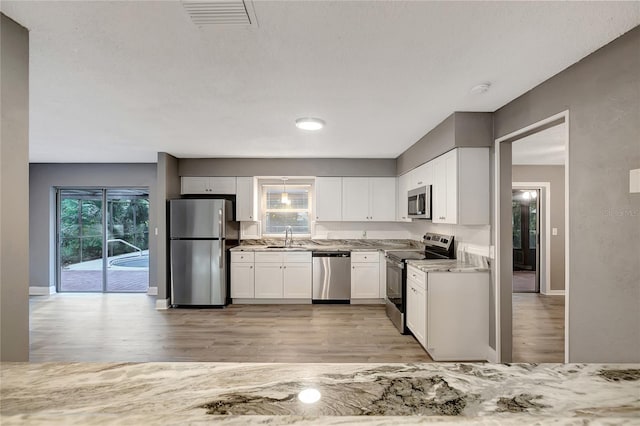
(446, 265)
(368, 394)
(329, 245)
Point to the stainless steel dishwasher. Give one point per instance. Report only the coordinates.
(331, 277)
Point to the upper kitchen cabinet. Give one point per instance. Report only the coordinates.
(208, 185)
(402, 194)
(461, 187)
(247, 199)
(368, 199)
(421, 176)
(329, 199)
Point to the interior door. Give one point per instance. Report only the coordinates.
(526, 238)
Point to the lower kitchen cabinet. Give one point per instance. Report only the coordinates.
(416, 316)
(365, 275)
(242, 281)
(283, 275)
(448, 313)
(242, 275)
(296, 281)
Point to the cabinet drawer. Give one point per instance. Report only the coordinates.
(269, 257)
(416, 276)
(297, 257)
(242, 257)
(365, 257)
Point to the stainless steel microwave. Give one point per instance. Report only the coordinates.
(420, 203)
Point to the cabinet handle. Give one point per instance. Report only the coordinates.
(420, 183)
(251, 267)
(284, 267)
(353, 267)
(317, 217)
(250, 217)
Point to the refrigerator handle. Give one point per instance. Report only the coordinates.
(220, 229)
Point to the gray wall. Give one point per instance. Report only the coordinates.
(286, 167)
(168, 187)
(45, 177)
(602, 94)
(14, 187)
(555, 176)
(460, 129)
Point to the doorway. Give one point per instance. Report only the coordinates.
(102, 240)
(526, 240)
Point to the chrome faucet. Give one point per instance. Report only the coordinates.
(288, 235)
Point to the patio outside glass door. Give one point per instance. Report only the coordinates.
(103, 240)
(526, 239)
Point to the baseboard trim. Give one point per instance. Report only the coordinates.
(42, 291)
(270, 301)
(162, 304)
(152, 291)
(554, 293)
(492, 355)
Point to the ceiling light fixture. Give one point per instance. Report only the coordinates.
(309, 395)
(480, 88)
(309, 123)
(284, 198)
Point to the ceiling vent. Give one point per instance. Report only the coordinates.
(220, 12)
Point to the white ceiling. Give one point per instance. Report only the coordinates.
(119, 81)
(542, 148)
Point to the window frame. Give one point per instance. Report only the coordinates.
(291, 182)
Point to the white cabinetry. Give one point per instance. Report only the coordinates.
(365, 275)
(402, 202)
(283, 275)
(329, 199)
(421, 176)
(461, 187)
(208, 185)
(417, 304)
(368, 199)
(247, 199)
(242, 275)
(448, 313)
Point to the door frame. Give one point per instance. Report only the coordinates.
(104, 228)
(545, 234)
(503, 320)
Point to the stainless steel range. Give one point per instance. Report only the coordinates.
(436, 247)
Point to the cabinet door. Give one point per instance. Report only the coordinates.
(365, 281)
(382, 193)
(420, 177)
(355, 199)
(195, 185)
(297, 281)
(222, 185)
(329, 199)
(246, 199)
(242, 281)
(439, 191)
(268, 281)
(412, 309)
(451, 166)
(402, 195)
(421, 316)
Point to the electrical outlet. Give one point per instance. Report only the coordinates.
(156, 230)
(364, 234)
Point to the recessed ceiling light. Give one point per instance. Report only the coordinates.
(309, 123)
(309, 395)
(480, 88)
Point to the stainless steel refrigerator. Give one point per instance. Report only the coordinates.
(199, 233)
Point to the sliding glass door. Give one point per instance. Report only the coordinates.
(103, 240)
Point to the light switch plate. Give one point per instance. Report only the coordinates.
(554, 231)
(634, 181)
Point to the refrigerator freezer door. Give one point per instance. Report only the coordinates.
(196, 218)
(197, 272)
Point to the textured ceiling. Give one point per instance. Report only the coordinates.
(542, 148)
(119, 81)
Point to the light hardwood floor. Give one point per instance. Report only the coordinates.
(126, 327)
(538, 328)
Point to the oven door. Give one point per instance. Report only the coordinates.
(394, 283)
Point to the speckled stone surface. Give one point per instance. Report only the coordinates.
(447, 265)
(330, 245)
(371, 394)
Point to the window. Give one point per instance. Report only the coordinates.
(295, 212)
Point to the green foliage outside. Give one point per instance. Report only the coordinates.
(81, 228)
